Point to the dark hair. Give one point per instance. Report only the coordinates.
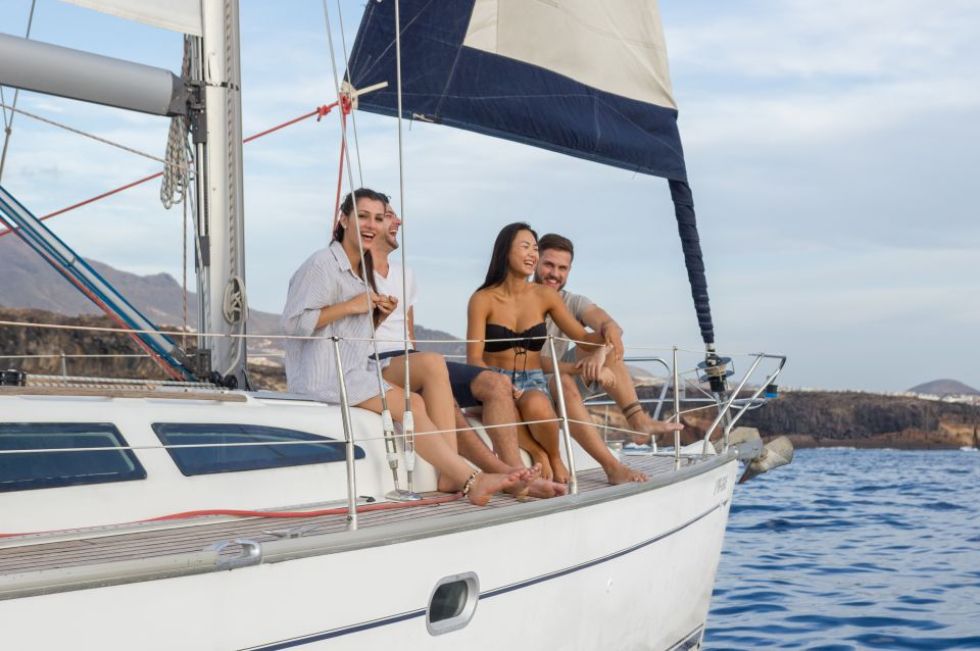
(555, 241)
(497, 271)
(347, 208)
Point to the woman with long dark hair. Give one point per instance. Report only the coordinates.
(327, 298)
(506, 332)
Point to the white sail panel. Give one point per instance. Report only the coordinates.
(177, 15)
(615, 45)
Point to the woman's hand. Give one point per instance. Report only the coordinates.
(613, 337)
(607, 378)
(591, 367)
(362, 303)
(386, 305)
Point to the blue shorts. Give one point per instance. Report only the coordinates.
(533, 380)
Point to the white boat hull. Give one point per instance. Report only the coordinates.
(629, 568)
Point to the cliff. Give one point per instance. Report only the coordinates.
(854, 419)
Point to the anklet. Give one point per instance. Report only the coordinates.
(469, 484)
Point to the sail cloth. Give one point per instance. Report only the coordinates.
(587, 78)
(580, 77)
(176, 15)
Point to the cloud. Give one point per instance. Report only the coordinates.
(832, 149)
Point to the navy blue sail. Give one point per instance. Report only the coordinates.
(583, 78)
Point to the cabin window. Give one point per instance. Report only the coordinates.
(233, 448)
(69, 462)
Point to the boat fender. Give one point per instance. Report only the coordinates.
(777, 452)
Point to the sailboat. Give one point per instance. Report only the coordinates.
(199, 513)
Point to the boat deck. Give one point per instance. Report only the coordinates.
(137, 542)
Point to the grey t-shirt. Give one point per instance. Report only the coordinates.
(577, 305)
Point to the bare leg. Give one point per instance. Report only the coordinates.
(624, 394)
(500, 414)
(535, 405)
(453, 470)
(588, 436)
(533, 448)
(429, 377)
(472, 447)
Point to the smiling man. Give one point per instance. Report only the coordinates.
(556, 254)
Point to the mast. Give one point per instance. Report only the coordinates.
(216, 124)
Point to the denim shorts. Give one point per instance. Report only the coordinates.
(533, 380)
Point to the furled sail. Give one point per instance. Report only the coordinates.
(581, 77)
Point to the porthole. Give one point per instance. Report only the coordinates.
(452, 603)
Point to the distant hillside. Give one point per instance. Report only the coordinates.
(29, 283)
(945, 388)
(865, 420)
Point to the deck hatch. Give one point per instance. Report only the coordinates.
(56, 455)
(230, 447)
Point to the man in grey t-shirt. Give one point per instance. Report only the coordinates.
(591, 374)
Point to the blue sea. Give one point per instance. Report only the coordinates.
(853, 549)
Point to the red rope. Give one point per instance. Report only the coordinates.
(340, 180)
(320, 111)
(242, 513)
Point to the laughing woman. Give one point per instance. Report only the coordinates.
(506, 332)
(327, 298)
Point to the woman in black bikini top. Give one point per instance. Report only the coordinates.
(506, 332)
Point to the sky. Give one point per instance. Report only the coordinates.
(833, 149)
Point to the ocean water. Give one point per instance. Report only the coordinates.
(853, 549)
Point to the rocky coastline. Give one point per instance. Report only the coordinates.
(809, 418)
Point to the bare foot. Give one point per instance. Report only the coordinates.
(561, 472)
(486, 484)
(623, 474)
(545, 488)
(527, 475)
(546, 470)
(650, 428)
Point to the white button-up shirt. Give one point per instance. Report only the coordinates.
(327, 278)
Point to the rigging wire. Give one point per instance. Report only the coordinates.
(401, 187)
(401, 193)
(85, 134)
(353, 114)
(386, 418)
(8, 122)
(320, 111)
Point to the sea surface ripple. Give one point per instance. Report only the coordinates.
(853, 549)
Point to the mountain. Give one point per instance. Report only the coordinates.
(945, 388)
(29, 283)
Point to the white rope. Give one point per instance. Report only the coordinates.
(176, 177)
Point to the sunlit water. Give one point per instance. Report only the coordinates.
(853, 549)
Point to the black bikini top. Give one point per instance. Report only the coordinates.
(525, 341)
